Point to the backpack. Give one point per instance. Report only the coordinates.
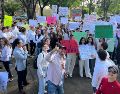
(35, 62)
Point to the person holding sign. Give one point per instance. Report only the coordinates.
(92, 53)
(84, 60)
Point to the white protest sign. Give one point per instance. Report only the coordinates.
(54, 9)
(33, 23)
(77, 18)
(41, 19)
(117, 18)
(56, 15)
(63, 11)
(73, 25)
(3, 81)
(64, 20)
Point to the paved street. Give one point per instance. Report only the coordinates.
(75, 85)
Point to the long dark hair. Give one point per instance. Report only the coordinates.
(80, 42)
(92, 43)
(15, 43)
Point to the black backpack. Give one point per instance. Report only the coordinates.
(35, 62)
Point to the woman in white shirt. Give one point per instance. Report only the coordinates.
(84, 60)
(42, 65)
(6, 55)
(22, 35)
(92, 53)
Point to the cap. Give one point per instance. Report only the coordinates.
(114, 68)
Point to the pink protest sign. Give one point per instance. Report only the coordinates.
(51, 20)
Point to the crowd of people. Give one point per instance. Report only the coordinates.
(53, 64)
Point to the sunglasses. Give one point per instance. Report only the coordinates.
(111, 71)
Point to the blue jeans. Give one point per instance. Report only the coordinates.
(41, 85)
(55, 89)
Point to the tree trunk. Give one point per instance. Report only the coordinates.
(2, 6)
(30, 14)
(41, 11)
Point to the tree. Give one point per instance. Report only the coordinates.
(2, 6)
(30, 6)
(42, 4)
(104, 6)
(11, 7)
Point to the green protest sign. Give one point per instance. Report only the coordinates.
(104, 31)
(79, 35)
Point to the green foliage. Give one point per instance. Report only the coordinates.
(11, 7)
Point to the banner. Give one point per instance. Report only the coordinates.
(63, 11)
(54, 9)
(71, 46)
(33, 23)
(8, 20)
(51, 20)
(41, 19)
(79, 35)
(104, 31)
(64, 20)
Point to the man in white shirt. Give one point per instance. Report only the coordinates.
(56, 70)
(101, 69)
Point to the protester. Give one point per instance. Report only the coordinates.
(56, 70)
(6, 56)
(20, 54)
(71, 60)
(92, 53)
(31, 38)
(84, 60)
(42, 65)
(100, 69)
(109, 84)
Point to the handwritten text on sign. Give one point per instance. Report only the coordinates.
(71, 46)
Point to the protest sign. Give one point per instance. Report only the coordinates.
(76, 12)
(63, 11)
(73, 25)
(103, 31)
(79, 35)
(41, 19)
(111, 43)
(54, 9)
(51, 20)
(64, 20)
(77, 18)
(56, 15)
(8, 20)
(33, 23)
(71, 46)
